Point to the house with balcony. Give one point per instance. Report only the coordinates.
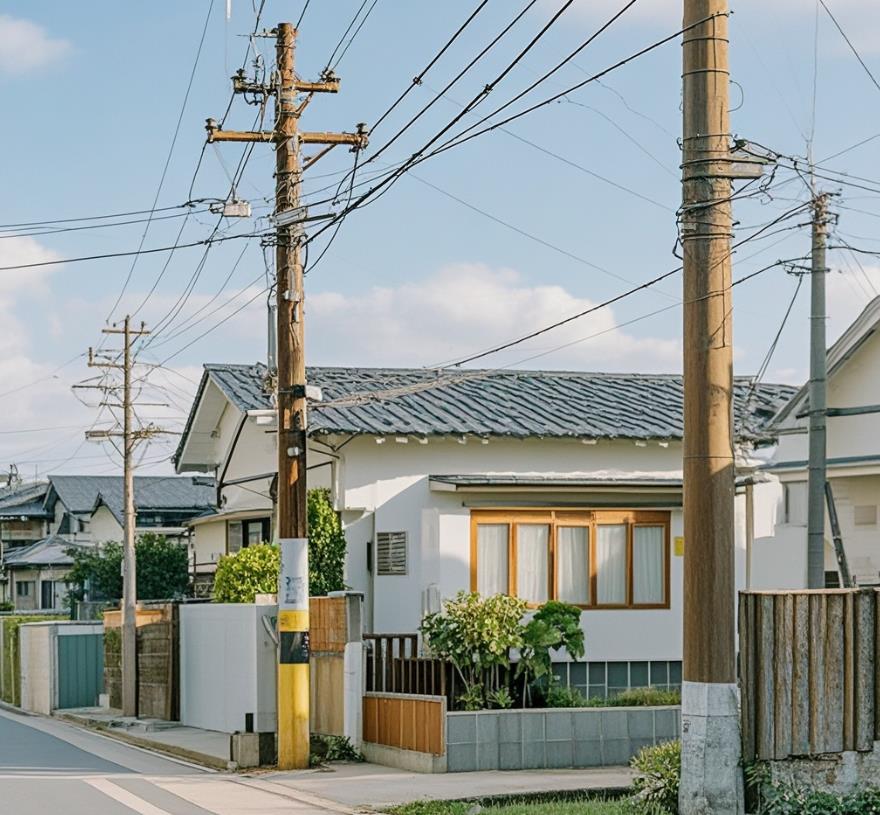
(541, 484)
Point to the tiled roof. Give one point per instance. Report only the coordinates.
(24, 501)
(80, 492)
(519, 404)
(51, 551)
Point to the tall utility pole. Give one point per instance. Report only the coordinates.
(293, 590)
(816, 475)
(711, 778)
(129, 436)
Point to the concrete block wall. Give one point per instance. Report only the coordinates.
(555, 738)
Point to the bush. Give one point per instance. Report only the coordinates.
(660, 768)
(645, 697)
(7, 605)
(162, 570)
(243, 575)
(787, 800)
(326, 545)
(554, 625)
(565, 696)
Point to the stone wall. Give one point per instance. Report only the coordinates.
(841, 773)
(555, 738)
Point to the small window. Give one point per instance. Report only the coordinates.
(234, 535)
(865, 515)
(23, 588)
(832, 580)
(391, 554)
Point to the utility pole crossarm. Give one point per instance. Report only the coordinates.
(215, 134)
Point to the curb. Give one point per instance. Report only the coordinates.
(206, 760)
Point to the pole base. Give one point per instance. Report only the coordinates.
(711, 750)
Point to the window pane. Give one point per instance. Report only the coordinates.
(235, 536)
(572, 564)
(648, 577)
(611, 564)
(492, 558)
(532, 571)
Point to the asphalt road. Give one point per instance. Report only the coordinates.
(49, 766)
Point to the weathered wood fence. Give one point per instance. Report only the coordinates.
(810, 681)
(394, 666)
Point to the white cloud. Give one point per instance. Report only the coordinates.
(26, 46)
(468, 307)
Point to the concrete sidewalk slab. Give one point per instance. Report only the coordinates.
(371, 786)
(206, 747)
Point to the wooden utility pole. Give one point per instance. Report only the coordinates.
(816, 475)
(293, 594)
(129, 436)
(711, 780)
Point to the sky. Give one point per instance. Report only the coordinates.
(514, 230)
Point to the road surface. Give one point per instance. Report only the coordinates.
(50, 766)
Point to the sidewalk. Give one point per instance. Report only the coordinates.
(206, 747)
(372, 786)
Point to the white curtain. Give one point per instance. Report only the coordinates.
(611, 564)
(648, 582)
(572, 564)
(492, 559)
(532, 555)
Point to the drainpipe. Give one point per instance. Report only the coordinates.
(750, 531)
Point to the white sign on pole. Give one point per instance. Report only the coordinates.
(293, 581)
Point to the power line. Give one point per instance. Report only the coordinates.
(168, 157)
(345, 34)
(60, 230)
(851, 46)
(356, 32)
(35, 224)
(302, 13)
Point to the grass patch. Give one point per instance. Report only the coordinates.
(561, 807)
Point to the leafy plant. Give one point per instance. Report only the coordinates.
(660, 768)
(247, 573)
(326, 545)
(564, 696)
(332, 748)
(475, 634)
(783, 799)
(499, 698)
(7, 605)
(162, 570)
(646, 697)
(554, 625)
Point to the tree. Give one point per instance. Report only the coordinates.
(244, 574)
(162, 569)
(326, 545)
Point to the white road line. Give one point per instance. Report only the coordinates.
(125, 797)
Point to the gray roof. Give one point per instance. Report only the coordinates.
(24, 501)
(562, 480)
(51, 551)
(79, 493)
(519, 404)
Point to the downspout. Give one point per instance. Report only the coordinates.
(750, 531)
(235, 438)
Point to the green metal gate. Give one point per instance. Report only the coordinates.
(80, 669)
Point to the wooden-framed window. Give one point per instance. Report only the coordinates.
(592, 559)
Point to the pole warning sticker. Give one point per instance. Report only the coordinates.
(293, 581)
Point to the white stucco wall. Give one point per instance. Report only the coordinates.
(208, 544)
(104, 526)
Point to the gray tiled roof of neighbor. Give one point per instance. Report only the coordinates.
(519, 404)
(51, 551)
(24, 501)
(79, 492)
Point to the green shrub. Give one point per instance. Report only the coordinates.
(782, 799)
(7, 605)
(660, 768)
(162, 570)
(554, 625)
(499, 698)
(565, 696)
(247, 573)
(326, 545)
(646, 697)
(332, 748)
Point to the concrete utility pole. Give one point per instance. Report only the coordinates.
(293, 590)
(129, 436)
(818, 400)
(711, 778)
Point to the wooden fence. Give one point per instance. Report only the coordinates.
(395, 666)
(328, 635)
(810, 682)
(407, 722)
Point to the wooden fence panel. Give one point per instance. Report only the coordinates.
(809, 679)
(407, 722)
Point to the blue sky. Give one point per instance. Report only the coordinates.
(92, 92)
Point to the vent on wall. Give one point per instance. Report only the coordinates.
(866, 515)
(391, 553)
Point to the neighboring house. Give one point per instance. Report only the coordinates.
(37, 574)
(853, 466)
(540, 484)
(88, 509)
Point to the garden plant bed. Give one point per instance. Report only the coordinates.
(565, 806)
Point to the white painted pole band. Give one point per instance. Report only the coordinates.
(293, 582)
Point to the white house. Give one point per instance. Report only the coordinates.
(853, 462)
(539, 484)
